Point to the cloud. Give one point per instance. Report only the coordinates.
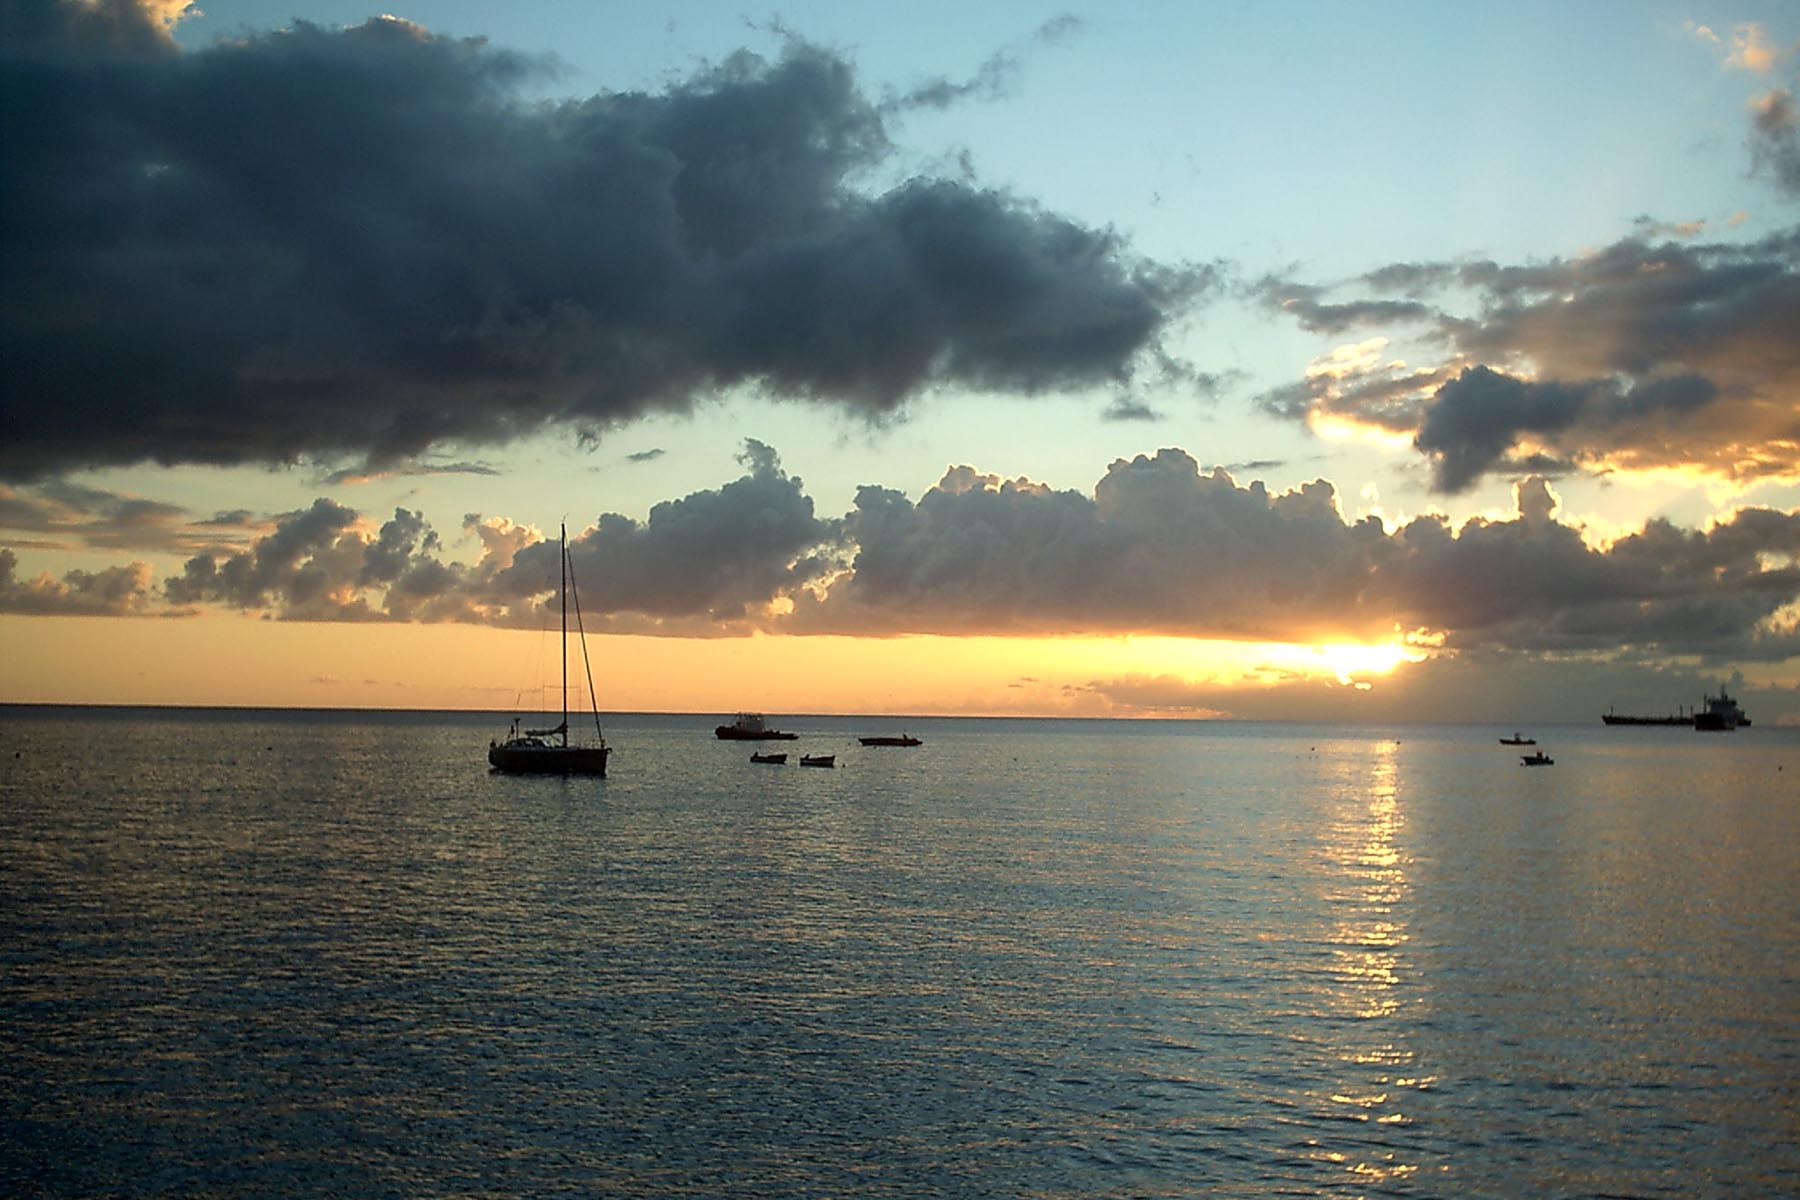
(141, 28)
(365, 244)
(1306, 304)
(1158, 547)
(1126, 408)
(712, 561)
(1752, 50)
(1775, 138)
(63, 514)
(997, 76)
(1641, 356)
(113, 592)
(1476, 419)
(410, 470)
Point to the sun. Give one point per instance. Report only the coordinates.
(1349, 660)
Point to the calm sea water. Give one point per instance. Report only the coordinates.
(269, 954)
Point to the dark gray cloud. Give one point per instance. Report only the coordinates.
(1640, 356)
(1307, 305)
(363, 244)
(1476, 419)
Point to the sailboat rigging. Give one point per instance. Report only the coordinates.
(526, 751)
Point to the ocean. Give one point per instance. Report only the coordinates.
(312, 954)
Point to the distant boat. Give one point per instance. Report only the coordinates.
(751, 727)
(776, 759)
(1722, 713)
(526, 751)
(818, 760)
(905, 739)
(1537, 759)
(1518, 739)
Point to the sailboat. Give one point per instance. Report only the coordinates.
(529, 751)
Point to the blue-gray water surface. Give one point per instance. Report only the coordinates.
(326, 954)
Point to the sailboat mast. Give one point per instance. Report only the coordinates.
(565, 632)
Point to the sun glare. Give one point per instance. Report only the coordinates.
(1349, 661)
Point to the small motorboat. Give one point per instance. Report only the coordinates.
(775, 759)
(1537, 758)
(1518, 739)
(818, 760)
(905, 739)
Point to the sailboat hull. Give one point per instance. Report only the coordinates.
(549, 760)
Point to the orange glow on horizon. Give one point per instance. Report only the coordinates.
(239, 661)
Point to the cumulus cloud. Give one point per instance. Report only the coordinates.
(362, 244)
(1642, 356)
(1158, 548)
(113, 592)
(714, 560)
(711, 562)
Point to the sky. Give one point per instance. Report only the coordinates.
(1309, 361)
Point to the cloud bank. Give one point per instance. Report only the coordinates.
(1158, 547)
(362, 244)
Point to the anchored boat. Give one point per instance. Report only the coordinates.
(530, 751)
(751, 727)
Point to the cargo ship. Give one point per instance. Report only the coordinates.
(1721, 712)
(1613, 718)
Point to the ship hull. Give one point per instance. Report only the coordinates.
(549, 760)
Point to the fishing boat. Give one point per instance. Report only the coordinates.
(751, 727)
(818, 760)
(548, 751)
(1518, 739)
(773, 759)
(905, 739)
(1537, 758)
